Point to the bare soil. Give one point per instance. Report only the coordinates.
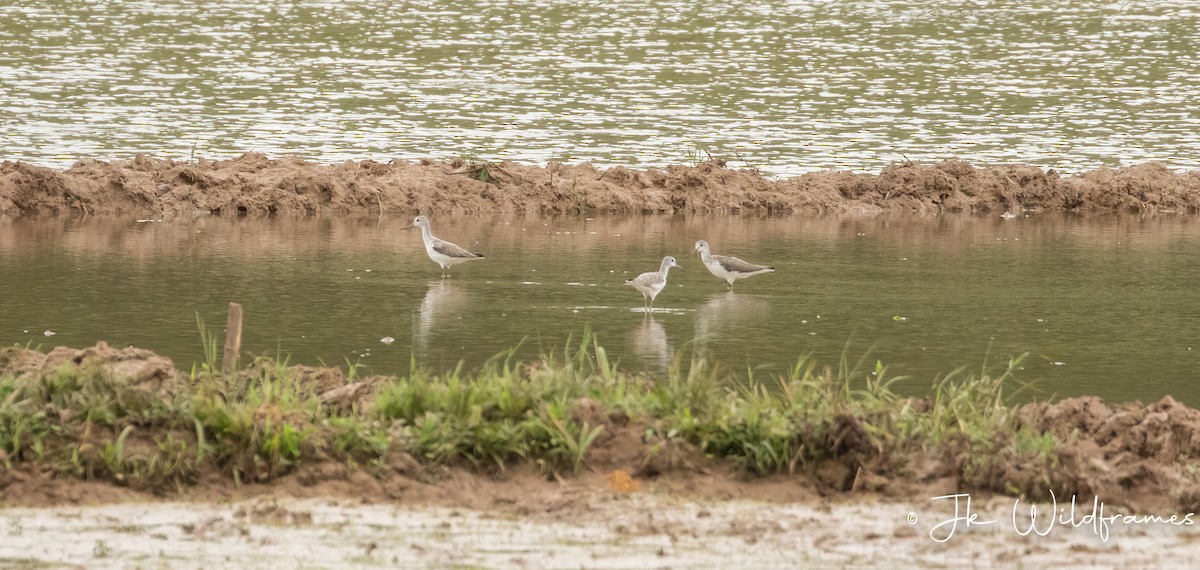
(255, 184)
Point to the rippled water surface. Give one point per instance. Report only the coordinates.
(1103, 306)
(786, 86)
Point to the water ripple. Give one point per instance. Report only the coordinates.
(787, 87)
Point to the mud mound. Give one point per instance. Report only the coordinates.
(1141, 456)
(255, 184)
(136, 368)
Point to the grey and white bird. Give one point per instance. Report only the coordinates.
(441, 251)
(728, 268)
(649, 284)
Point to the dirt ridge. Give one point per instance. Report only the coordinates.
(255, 184)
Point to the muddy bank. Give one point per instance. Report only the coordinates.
(646, 531)
(256, 184)
(105, 424)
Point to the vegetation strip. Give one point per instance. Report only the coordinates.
(128, 417)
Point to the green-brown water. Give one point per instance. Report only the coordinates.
(1105, 306)
(788, 86)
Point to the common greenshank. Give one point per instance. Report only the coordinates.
(650, 283)
(441, 251)
(728, 268)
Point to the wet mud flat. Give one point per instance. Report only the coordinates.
(256, 184)
(600, 531)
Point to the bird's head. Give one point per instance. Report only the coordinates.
(419, 222)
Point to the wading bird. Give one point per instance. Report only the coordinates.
(728, 268)
(650, 283)
(441, 251)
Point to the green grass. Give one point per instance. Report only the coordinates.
(266, 420)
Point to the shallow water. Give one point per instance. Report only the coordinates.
(1105, 306)
(788, 86)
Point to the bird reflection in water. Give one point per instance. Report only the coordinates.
(724, 311)
(442, 299)
(650, 343)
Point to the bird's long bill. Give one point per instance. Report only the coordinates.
(408, 226)
(680, 268)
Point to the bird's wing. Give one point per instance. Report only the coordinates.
(450, 250)
(645, 279)
(735, 265)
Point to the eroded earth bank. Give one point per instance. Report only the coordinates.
(253, 183)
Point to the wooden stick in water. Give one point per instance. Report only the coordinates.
(233, 338)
